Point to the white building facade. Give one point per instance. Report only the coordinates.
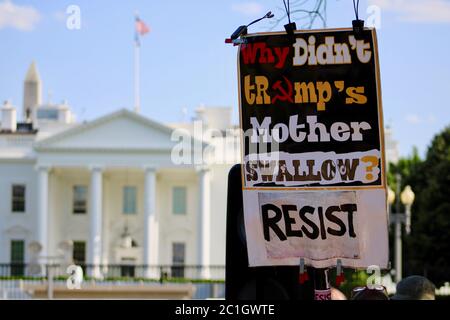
(109, 191)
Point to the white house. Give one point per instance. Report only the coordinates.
(111, 190)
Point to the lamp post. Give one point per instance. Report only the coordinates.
(407, 198)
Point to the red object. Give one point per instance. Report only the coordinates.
(340, 279)
(303, 277)
(306, 276)
(141, 27)
(228, 40)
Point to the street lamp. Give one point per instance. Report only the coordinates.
(391, 197)
(407, 198)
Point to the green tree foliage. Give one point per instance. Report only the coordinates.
(353, 279)
(426, 250)
(408, 168)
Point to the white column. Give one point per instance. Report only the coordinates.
(203, 221)
(95, 231)
(42, 209)
(151, 228)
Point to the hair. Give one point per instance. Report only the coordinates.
(370, 294)
(415, 288)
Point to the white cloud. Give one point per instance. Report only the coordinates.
(59, 16)
(19, 17)
(431, 118)
(412, 118)
(248, 8)
(429, 11)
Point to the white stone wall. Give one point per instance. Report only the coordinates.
(16, 225)
(219, 185)
(63, 224)
(173, 227)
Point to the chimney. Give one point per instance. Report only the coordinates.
(9, 119)
(64, 113)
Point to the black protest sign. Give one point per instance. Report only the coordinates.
(313, 151)
(310, 110)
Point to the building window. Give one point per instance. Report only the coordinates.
(179, 200)
(79, 252)
(18, 198)
(17, 257)
(79, 199)
(178, 259)
(129, 200)
(47, 114)
(127, 269)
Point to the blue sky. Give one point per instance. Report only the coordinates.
(185, 62)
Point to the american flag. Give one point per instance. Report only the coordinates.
(141, 29)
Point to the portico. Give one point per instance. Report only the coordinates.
(128, 186)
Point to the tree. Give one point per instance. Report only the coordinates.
(408, 168)
(427, 248)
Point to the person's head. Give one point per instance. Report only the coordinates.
(415, 288)
(337, 294)
(370, 293)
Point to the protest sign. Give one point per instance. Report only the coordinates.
(313, 148)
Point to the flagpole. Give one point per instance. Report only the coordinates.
(137, 68)
(137, 100)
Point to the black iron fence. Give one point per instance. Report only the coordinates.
(114, 271)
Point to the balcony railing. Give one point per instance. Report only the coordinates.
(115, 271)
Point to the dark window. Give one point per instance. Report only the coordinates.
(178, 259)
(129, 200)
(127, 267)
(17, 257)
(79, 199)
(79, 252)
(25, 127)
(47, 114)
(18, 198)
(179, 200)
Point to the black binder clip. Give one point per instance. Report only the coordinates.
(240, 31)
(358, 28)
(290, 28)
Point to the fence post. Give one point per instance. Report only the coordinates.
(50, 282)
(161, 274)
(216, 289)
